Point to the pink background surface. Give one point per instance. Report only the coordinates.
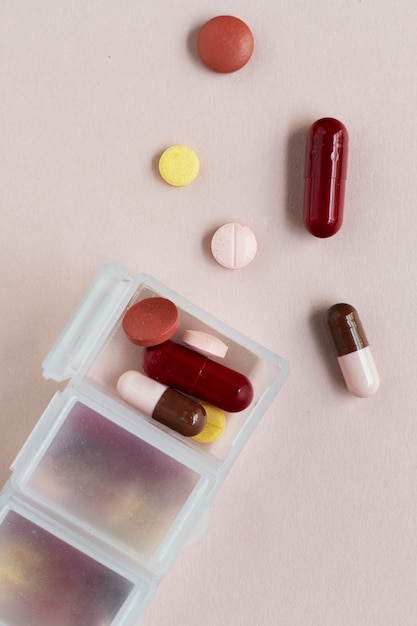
(316, 524)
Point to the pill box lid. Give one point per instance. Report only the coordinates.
(82, 450)
(35, 528)
(99, 305)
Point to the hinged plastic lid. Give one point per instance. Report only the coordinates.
(80, 334)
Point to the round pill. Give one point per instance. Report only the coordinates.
(151, 321)
(205, 343)
(215, 424)
(179, 166)
(234, 245)
(225, 43)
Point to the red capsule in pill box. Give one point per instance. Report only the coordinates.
(197, 375)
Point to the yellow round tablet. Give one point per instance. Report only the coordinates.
(179, 165)
(215, 424)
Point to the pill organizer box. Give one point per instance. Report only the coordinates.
(102, 499)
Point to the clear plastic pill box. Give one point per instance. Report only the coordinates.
(102, 499)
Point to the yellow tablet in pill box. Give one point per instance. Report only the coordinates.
(215, 424)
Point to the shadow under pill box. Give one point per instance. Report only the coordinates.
(113, 491)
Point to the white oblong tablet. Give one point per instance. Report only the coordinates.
(234, 245)
(205, 343)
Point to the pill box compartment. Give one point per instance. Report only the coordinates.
(47, 577)
(113, 478)
(94, 349)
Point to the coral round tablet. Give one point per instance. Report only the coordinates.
(179, 165)
(215, 424)
(151, 321)
(225, 43)
(234, 245)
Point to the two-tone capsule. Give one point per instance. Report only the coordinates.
(165, 405)
(352, 348)
(325, 177)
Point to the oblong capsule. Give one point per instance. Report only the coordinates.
(195, 374)
(353, 352)
(163, 404)
(325, 176)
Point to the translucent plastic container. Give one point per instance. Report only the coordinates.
(118, 482)
(110, 475)
(50, 577)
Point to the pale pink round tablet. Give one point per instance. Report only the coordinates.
(234, 245)
(204, 343)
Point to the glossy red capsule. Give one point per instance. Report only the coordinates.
(196, 375)
(325, 177)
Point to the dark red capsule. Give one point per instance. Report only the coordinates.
(325, 177)
(196, 375)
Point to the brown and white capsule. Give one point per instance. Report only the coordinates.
(164, 404)
(353, 352)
